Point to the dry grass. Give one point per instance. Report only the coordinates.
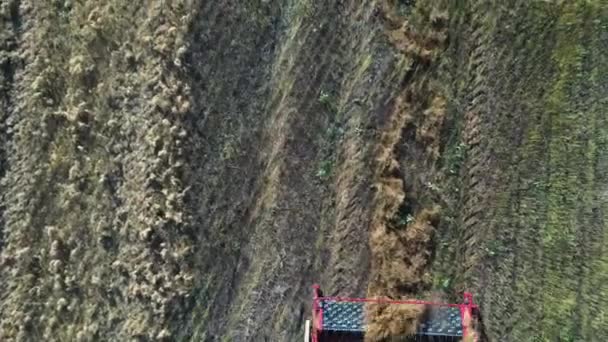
(387, 321)
(401, 255)
(102, 221)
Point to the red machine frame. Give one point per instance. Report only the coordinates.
(466, 310)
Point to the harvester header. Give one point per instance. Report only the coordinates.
(344, 319)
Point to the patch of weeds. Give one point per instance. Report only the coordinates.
(455, 158)
(566, 334)
(297, 12)
(324, 97)
(494, 248)
(359, 130)
(325, 169)
(230, 148)
(404, 7)
(303, 8)
(432, 186)
(444, 284)
(328, 101)
(403, 217)
(450, 218)
(334, 133)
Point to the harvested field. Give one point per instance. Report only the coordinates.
(185, 170)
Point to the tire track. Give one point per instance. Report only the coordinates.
(477, 157)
